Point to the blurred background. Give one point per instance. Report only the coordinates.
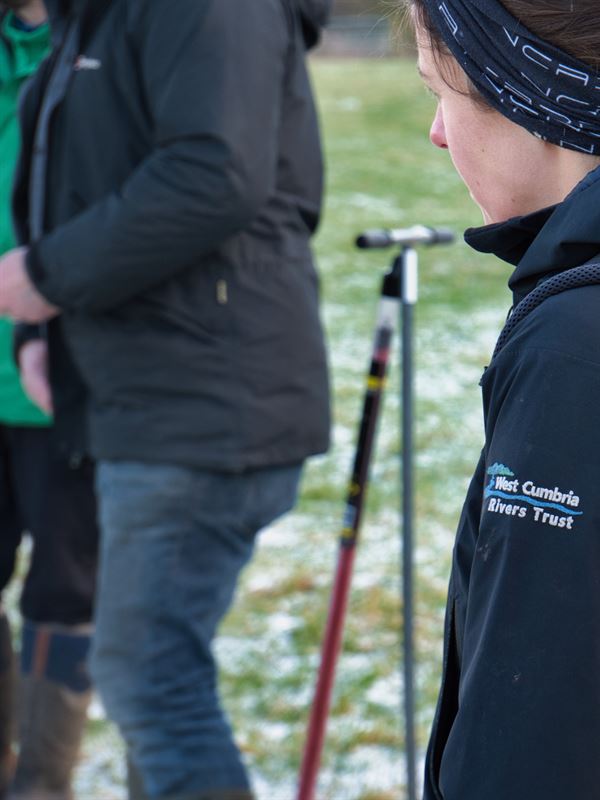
(381, 172)
(367, 28)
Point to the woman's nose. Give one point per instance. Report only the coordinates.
(437, 132)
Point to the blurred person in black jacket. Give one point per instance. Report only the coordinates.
(170, 185)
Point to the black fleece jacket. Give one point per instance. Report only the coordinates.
(519, 710)
(182, 184)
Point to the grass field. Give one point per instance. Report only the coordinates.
(382, 171)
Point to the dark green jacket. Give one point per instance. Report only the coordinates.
(182, 188)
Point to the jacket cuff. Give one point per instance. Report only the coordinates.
(33, 265)
(38, 275)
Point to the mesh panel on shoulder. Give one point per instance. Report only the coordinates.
(585, 275)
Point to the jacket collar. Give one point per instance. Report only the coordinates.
(86, 12)
(27, 48)
(62, 8)
(314, 15)
(59, 13)
(548, 241)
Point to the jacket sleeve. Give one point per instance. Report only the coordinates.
(211, 75)
(528, 722)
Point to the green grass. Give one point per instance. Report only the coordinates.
(381, 171)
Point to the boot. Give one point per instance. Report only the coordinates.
(7, 685)
(54, 697)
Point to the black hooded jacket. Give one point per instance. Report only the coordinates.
(519, 711)
(182, 181)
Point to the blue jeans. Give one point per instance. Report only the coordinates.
(173, 543)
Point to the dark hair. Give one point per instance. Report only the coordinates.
(563, 23)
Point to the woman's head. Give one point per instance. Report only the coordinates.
(490, 68)
(566, 24)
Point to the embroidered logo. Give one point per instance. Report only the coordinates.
(506, 494)
(500, 469)
(85, 63)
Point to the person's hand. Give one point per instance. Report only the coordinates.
(19, 299)
(33, 364)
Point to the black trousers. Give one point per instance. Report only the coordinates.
(40, 492)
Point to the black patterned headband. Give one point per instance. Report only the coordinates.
(528, 80)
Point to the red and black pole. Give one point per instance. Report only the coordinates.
(399, 284)
(349, 537)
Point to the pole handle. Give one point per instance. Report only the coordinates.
(409, 237)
